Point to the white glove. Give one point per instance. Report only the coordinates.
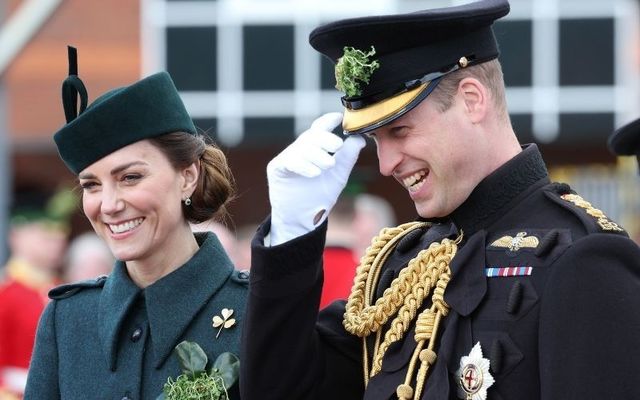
(305, 180)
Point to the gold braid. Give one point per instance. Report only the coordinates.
(426, 330)
(428, 270)
(364, 287)
(362, 320)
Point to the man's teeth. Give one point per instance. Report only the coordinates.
(414, 180)
(126, 226)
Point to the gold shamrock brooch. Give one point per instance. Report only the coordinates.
(225, 321)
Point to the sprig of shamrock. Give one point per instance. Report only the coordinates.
(354, 69)
(195, 382)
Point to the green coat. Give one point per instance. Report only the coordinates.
(109, 339)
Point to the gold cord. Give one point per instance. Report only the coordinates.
(428, 271)
(360, 319)
(365, 284)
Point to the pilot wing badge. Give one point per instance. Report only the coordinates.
(521, 240)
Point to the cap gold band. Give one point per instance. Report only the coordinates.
(355, 120)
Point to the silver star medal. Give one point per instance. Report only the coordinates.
(473, 376)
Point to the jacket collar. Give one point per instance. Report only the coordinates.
(487, 201)
(171, 302)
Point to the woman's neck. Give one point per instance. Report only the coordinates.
(146, 272)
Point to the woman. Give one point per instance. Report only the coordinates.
(145, 174)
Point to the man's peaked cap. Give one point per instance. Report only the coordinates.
(409, 47)
(625, 141)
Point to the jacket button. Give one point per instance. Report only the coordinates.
(126, 398)
(496, 356)
(136, 335)
(515, 297)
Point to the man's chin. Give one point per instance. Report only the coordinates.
(426, 212)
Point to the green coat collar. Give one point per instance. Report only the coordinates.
(171, 302)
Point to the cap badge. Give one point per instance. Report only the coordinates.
(521, 240)
(225, 321)
(354, 69)
(473, 375)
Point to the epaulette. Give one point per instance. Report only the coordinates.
(68, 290)
(593, 219)
(241, 277)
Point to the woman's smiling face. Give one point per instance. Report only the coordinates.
(133, 199)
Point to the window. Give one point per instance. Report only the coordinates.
(191, 57)
(586, 52)
(268, 57)
(246, 65)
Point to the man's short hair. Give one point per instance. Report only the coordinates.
(488, 73)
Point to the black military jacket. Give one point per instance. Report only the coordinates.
(558, 320)
(112, 340)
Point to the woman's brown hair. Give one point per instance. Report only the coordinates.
(215, 188)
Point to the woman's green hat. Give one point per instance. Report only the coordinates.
(148, 108)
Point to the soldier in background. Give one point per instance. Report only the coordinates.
(372, 214)
(88, 257)
(339, 258)
(38, 236)
(625, 141)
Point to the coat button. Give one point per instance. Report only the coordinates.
(496, 356)
(136, 335)
(547, 243)
(515, 297)
(126, 398)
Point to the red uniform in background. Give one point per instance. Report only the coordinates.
(22, 300)
(37, 242)
(339, 270)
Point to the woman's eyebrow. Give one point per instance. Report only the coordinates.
(116, 170)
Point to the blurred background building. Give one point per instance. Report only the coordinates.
(251, 81)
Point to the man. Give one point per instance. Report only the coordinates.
(625, 141)
(338, 259)
(37, 242)
(87, 257)
(508, 287)
(373, 213)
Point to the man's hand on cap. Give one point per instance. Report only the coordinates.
(307, 177)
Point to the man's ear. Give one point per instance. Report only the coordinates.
(475, 97)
